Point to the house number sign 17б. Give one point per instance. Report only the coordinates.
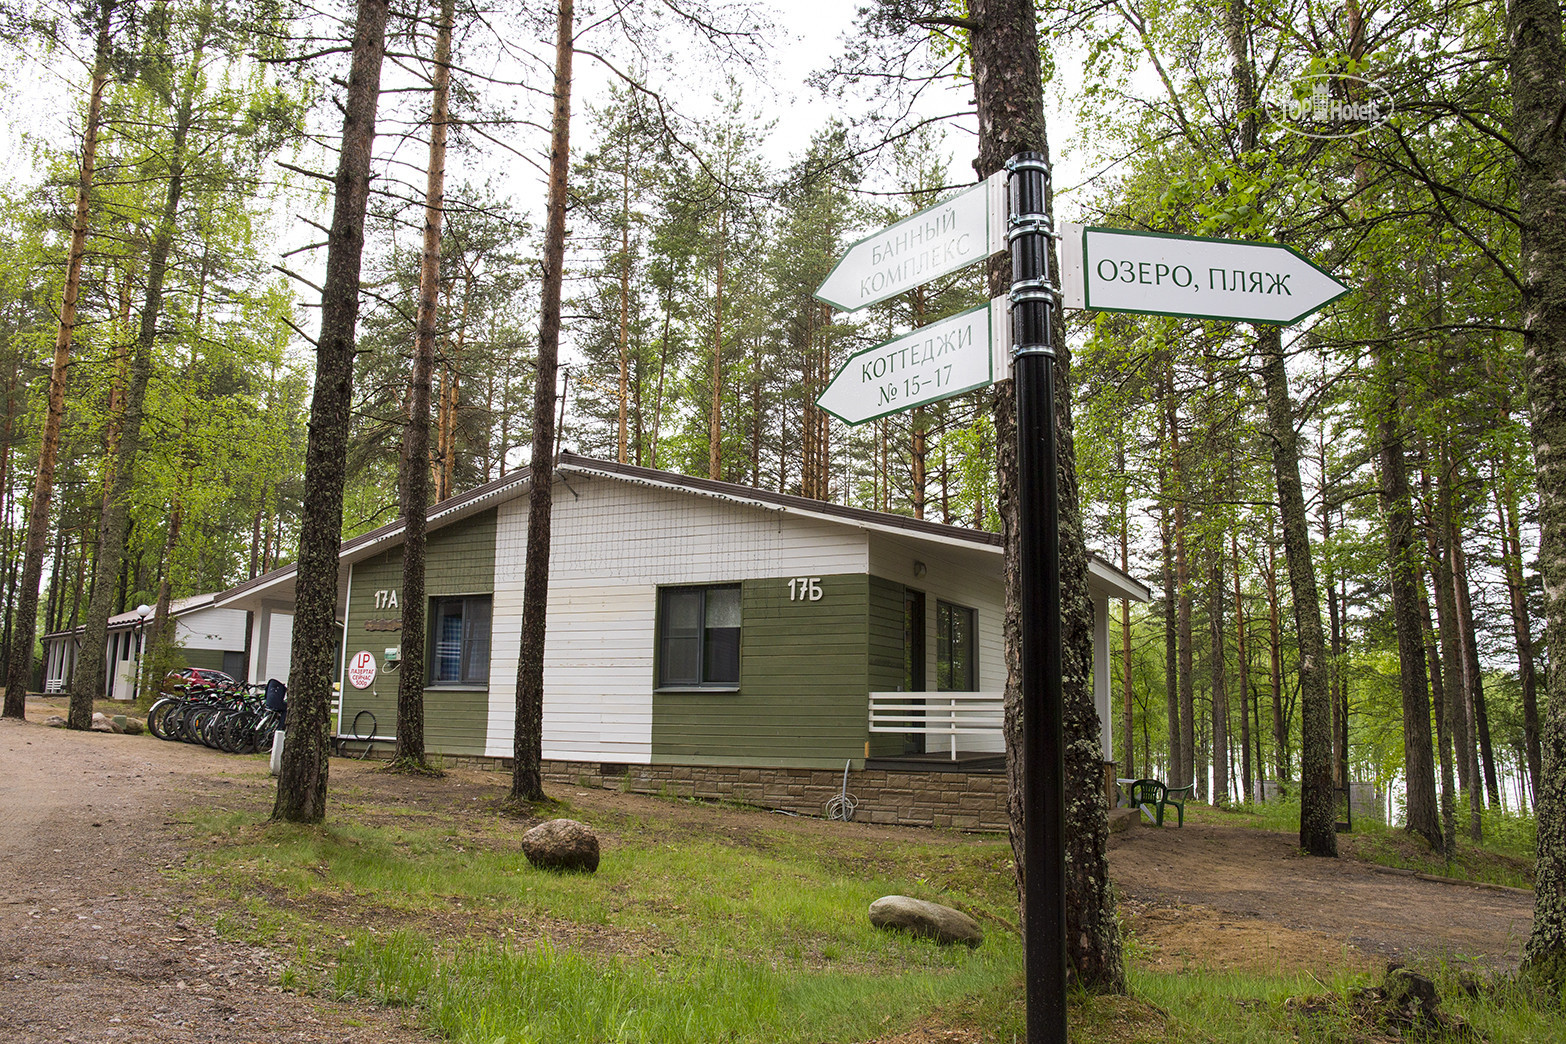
(804, 589)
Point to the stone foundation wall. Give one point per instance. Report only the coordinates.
(958, 800)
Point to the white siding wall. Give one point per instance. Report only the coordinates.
(613, 544)
(212, 629)
(271, 643)
(962, 576)
(1101, 700)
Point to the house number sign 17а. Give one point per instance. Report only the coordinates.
(804, 589)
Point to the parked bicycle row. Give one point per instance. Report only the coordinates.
(237, 719)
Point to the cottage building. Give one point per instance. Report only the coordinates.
(704, 636)
(206, 635)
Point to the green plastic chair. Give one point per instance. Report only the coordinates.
(1175, 796)
(1148, 795)
(1152, 797)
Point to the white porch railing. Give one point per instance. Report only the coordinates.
(938, 714)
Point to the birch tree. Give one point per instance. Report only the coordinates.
(1537, 70)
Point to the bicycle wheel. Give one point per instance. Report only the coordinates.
(174, 720)
(212, 729)
(261, 731)
(157, 715)
(227, 731)
(196, 720)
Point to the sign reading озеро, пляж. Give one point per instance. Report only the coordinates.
(1154, 273)
(932, 243)
(948, 357)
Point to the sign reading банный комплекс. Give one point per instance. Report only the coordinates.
(1114, 270)
(968, 227)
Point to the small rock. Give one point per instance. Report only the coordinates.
(1413, 994)
(561, 844)
(929, 920)
(101, 723)
(54, 721)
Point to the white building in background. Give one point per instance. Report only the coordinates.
(207, 636)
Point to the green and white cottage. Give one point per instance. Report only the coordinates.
(705, 638)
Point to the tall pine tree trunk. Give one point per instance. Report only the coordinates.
(414, 477)
(1438, 698)
(1318, 835)
(623, 454)
(527, 773)
(89, 682)
(1247, 793)
(1128, 699)
(1216, 596)
(1454, 677)
(1402, 563)
(1280, 721)
(1184, 641)
(301, 786)
(1471, 667)
(1171, 653)
(25, 617)
(1183, 772)
(715, 413)
(1522, 627)
(160, 635)
(1007, 86)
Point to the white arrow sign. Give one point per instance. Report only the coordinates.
(968, 227)
(953, 355)
(1113, 270)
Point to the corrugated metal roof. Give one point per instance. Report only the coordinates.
(513, 484)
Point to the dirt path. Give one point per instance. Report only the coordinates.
(91, 947)
(1244, 897)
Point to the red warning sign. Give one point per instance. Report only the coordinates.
(361, 669)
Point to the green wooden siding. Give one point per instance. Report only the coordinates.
(886, 655)
(212, 658)
(805, 670)
(459, 560)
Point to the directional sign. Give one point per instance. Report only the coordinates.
(968, 227)
(946, 358)
(1112, 270)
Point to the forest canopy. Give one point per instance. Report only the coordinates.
(691, 339)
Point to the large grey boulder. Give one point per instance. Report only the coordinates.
(561, 844)
(926, 919)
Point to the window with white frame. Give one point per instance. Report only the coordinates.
(459, 640)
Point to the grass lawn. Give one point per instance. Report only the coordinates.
(702, 924)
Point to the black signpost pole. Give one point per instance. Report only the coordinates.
(1033, 296)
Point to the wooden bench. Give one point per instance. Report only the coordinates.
(1153, 797)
